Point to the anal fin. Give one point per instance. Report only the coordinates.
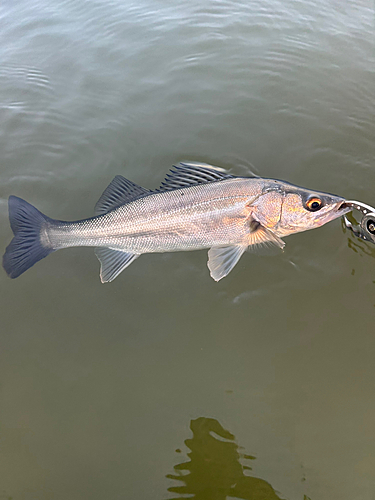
(113, 262)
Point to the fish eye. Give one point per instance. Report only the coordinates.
(314, 204)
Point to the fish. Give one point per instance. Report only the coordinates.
(198, 206)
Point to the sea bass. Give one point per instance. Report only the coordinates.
(197, 206)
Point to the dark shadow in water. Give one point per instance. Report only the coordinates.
(214, 471)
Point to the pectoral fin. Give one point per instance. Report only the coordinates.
(263, 241)
(221, 260)
(113, 262)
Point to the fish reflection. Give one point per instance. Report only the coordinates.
(215, 470)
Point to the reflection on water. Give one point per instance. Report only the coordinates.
(361, 247)
(215, 470)
(94, 377)
(356, 244)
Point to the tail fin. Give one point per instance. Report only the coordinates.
(26, 247)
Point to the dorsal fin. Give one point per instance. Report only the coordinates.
(190, 174)
(119, 191)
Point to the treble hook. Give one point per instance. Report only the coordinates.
(366, 228)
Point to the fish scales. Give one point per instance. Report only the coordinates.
(195, 217)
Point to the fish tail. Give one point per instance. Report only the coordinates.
(27, 246)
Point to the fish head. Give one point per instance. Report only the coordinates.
(286, 209)
(303, 209)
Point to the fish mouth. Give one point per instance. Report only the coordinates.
(340, 208)
(343, 206)
(336, 210)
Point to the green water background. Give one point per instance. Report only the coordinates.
(100, 384)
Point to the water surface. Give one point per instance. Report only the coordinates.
(101, 384)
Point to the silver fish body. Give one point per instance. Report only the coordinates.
(198, 206)
(190, 218)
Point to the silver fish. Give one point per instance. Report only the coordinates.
(197, 206)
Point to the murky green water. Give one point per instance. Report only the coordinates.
(165, 384)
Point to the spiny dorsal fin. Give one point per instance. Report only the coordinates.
(113, 262)
(190, 174)
(119, 191)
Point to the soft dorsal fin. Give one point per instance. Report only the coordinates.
(113, 262)
(119, 191)
(190, 174)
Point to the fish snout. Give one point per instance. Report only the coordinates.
(332, 212)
